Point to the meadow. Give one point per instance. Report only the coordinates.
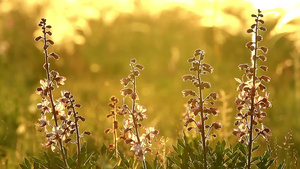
(162, 44)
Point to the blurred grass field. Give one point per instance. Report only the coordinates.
(95, 53)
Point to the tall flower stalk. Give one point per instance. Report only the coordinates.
(253, 96)
(198, 110)
(65, 124)
(133, 134)
(113, 114)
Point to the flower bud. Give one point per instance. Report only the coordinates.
(81, 118)
(199, 125)
(68, 140)
(54, 55)
(126, 91)
(133, 60)
(38, 38)
(262, 58)
(87, 133)
(190, 128)
(141, 67)
(128, 140)
(264, 49)
(188, 77)
(250, 30)
(116, 125)
(217, 125)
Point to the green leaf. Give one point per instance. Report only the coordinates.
(58, 161)
(281, 165)
(185, 158)
(234, 159)
(103, 150)
(74, 157)
(46, 157)
(235, 147)
(265, 162)
(242, 148)
(266, 155)
(65, 150)
(89, 158)
(124, 160)
(84, 147)
(131, 161)
(36, 165)
(23, 166)
(176, 150)
(223, 144)
(87, 166)
(111, 154)
(72, 162)
(255, 148)
(180, 143)
(27, 163)
(82, 157)
(39, 161)
(155, 162)
(197, 164)
(185, 138)
(254, 159)
(148, 165)
(174, 161)
(270, 163)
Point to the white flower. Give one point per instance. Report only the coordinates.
(141, 108)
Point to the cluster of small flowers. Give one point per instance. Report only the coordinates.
(253, 97)
(140, 143)
(65, 124)
(197, 104)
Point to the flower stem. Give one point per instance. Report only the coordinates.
(77, 135)
(134, 118)
(115, 133)
(202, 118)
(51, 95)
(253, 91)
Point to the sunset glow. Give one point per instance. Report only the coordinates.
(71, 16)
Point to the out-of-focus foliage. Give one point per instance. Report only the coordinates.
(97, 40)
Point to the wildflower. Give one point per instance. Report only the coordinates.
(249, 102)
(188, 77)
(197, 105)
(132, 134)
(65, 124)
(188, 92)
(126, 91)
(125, 81)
